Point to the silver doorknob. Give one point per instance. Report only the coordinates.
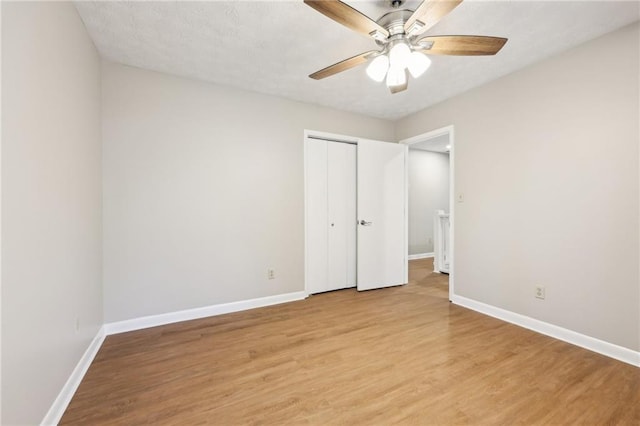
(365, 223)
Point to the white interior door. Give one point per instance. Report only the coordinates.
(382, 223)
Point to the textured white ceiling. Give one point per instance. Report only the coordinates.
(272, 46)
(437, 144)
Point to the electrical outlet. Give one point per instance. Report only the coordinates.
(540, 292)
(271, 274)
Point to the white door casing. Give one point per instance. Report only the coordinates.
(450, 131)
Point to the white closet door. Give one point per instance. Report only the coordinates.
(345, 183)
(316, 216)
(341, 196)
(352, 217)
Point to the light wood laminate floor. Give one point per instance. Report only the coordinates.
(401, 355)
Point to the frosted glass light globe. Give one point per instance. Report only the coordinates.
(396, 77)
(377, 69)
(418, 64)
(400, 55)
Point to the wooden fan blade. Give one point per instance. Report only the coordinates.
(400, 88)
(462, 45)
(429, 13)
(342, 65)
(347, 16)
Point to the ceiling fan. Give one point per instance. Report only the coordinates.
(398, 34)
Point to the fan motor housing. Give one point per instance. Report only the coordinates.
(394, 21)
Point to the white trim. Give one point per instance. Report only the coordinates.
(332, 137)
(306, 208)
(203, 312)
(406, 214)
(429, 135)
(596, 345)
(420, 256)
(63, 399)
(1, 215)
(452, 207)
(447, 130)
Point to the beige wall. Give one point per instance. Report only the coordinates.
(51, 207)
(547, 160)
(428, 192)
(204, 190)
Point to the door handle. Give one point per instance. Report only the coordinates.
(365, 223)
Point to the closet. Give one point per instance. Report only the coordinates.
(355, 213)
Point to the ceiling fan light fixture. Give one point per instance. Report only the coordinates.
(399, 55)
(396, 76)
(418, 64)
(397, 33)
(377, 69)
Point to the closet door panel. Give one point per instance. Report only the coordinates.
(352, 215)
(316, 216)
(338, 174)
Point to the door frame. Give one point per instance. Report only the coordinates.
(447, 130)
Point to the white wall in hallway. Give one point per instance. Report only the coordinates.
(428, 192)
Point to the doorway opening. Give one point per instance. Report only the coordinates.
(432, 200)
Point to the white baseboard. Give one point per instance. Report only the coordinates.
(604, 348)
(420, 256)
(206, 311)
(60, 404)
